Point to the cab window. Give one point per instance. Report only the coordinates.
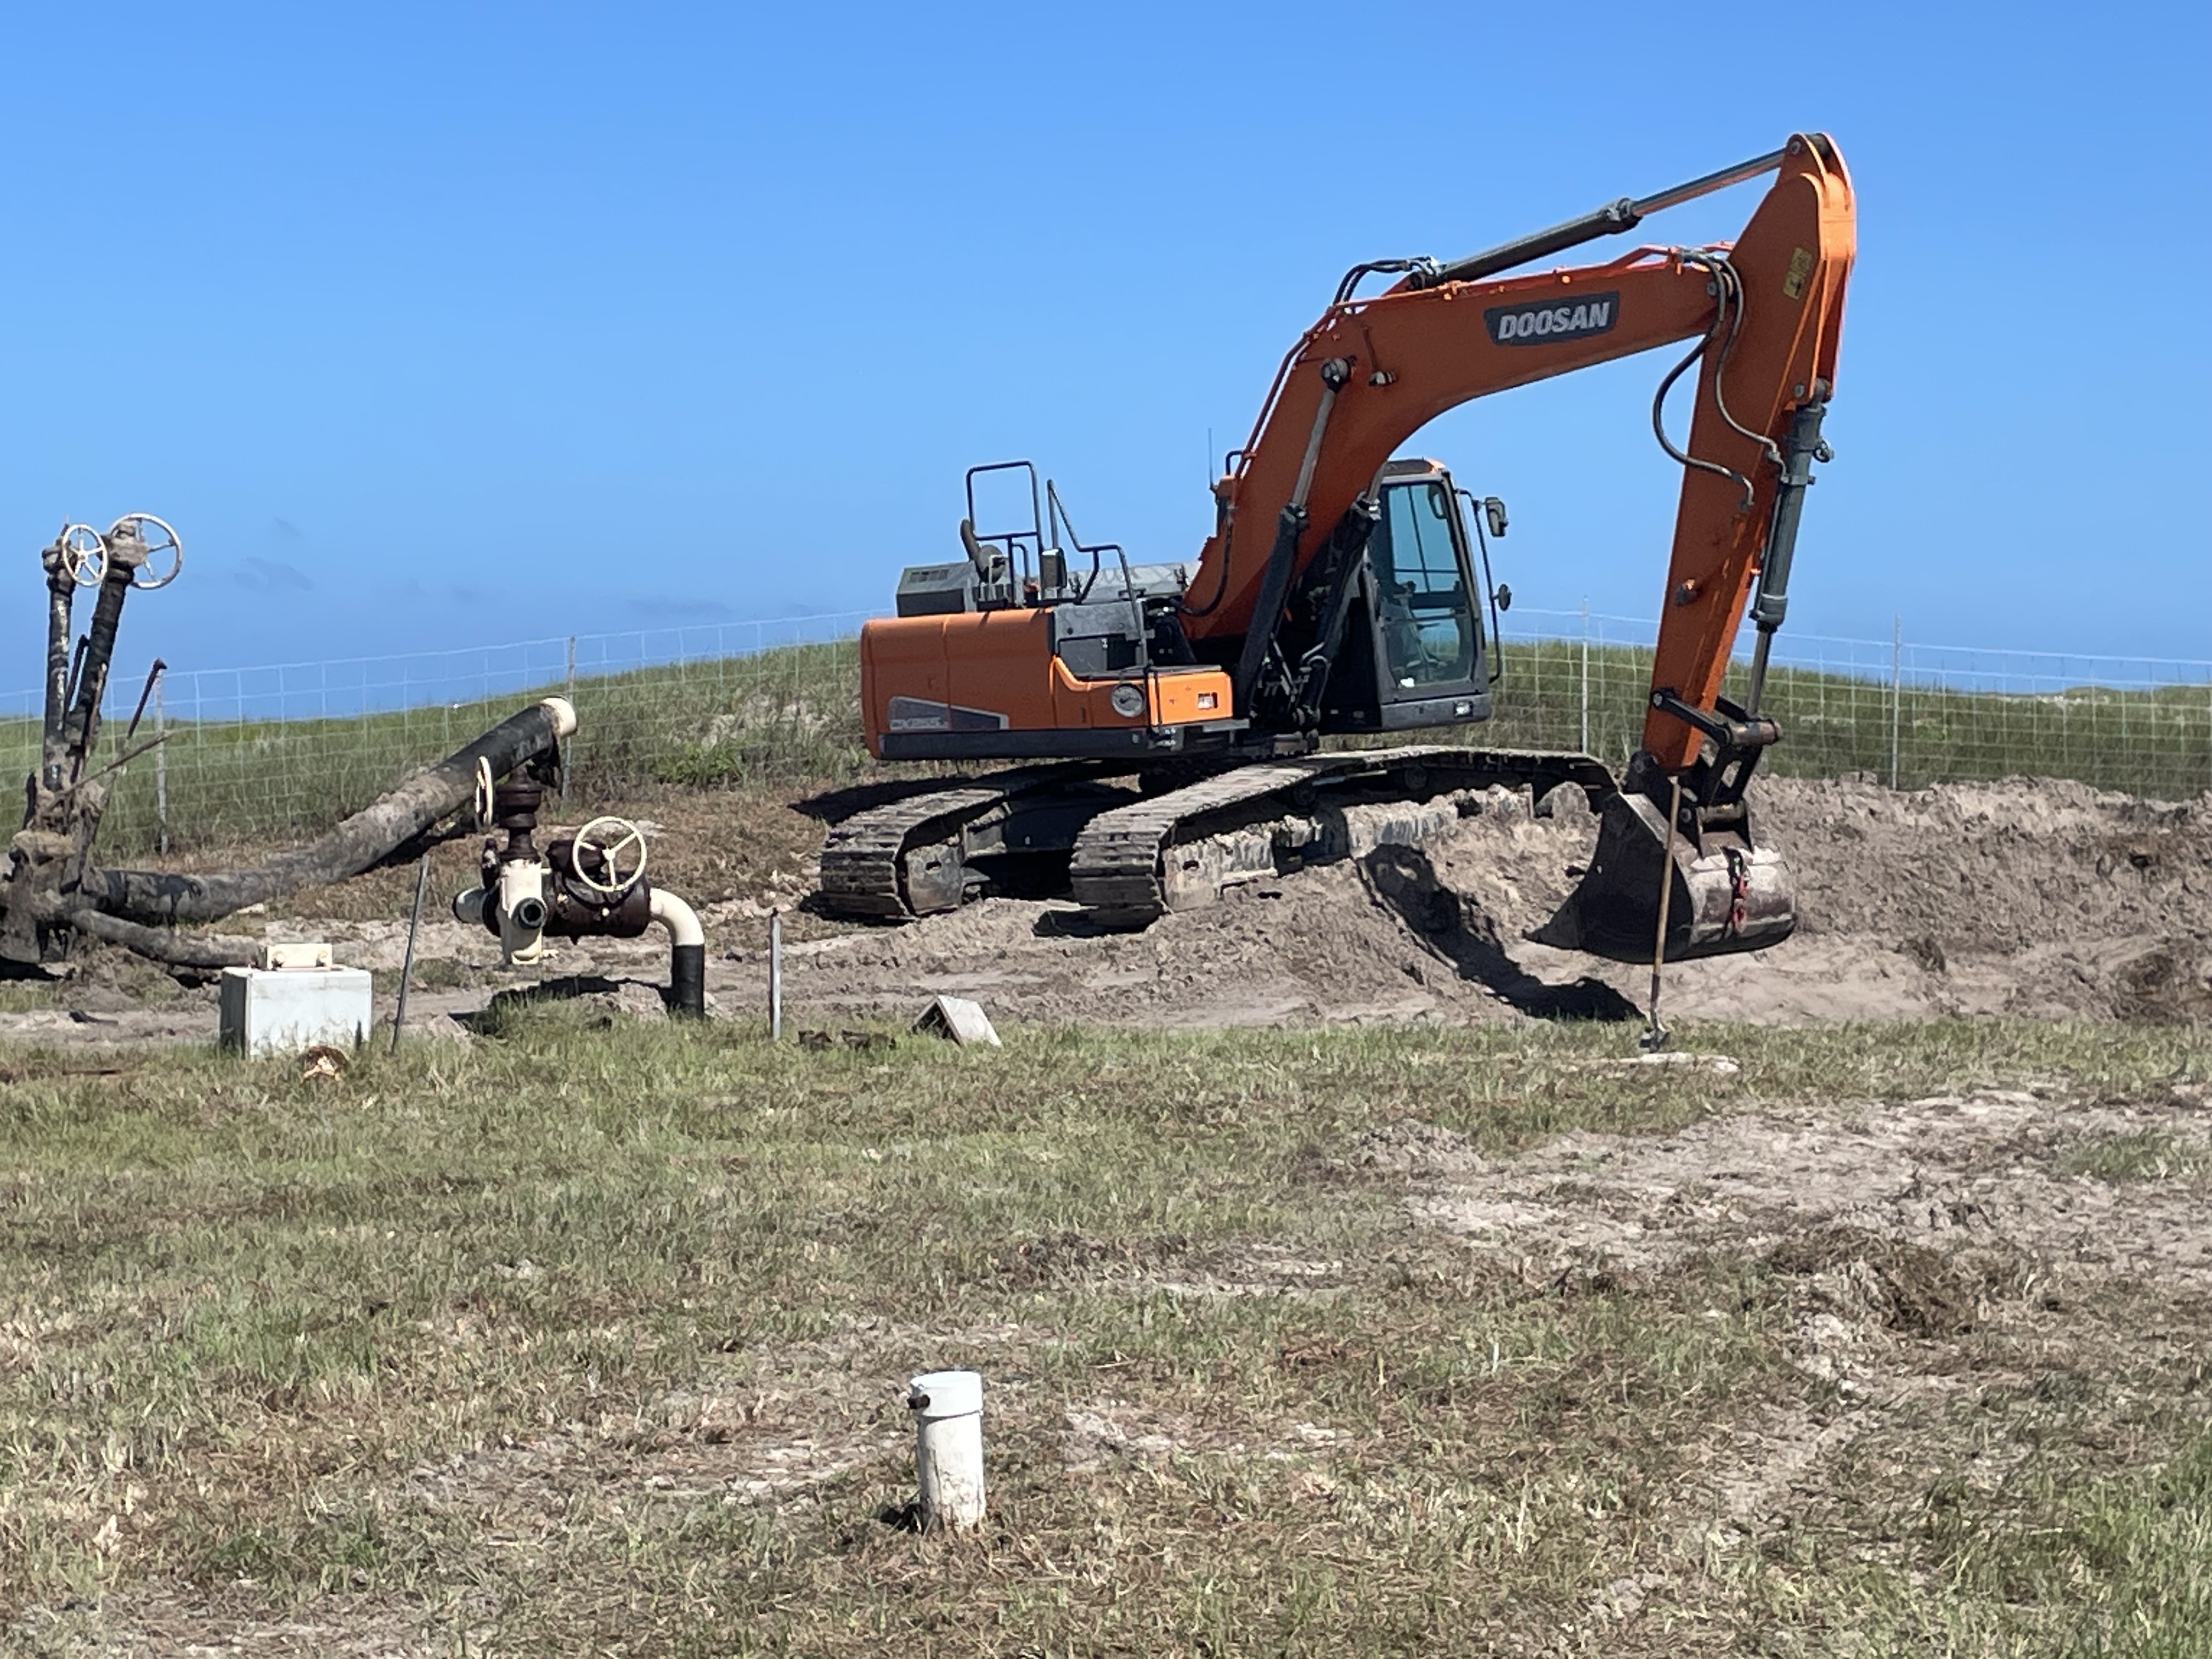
(1426, 611)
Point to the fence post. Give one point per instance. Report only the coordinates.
(567, 761)
(1585, 743)
(161, 770)
(1896, 691)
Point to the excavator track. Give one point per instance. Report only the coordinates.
(909, 858)
(1178, 850)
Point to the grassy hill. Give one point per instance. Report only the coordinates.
(788, 716)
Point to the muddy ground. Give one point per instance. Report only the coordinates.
(2029, 898)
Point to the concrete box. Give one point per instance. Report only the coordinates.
(283, 1011)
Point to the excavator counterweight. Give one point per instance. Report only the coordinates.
(1173, 718)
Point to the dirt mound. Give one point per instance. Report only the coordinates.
(2025, 897)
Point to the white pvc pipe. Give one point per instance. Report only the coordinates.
(948, 1447)
(681, 921)
(563, 713)
(775, 976)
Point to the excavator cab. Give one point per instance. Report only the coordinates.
(1414, 652)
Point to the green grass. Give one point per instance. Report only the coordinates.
(790, 717)
(2148, 1156)
(486, 1344)
(785, 716)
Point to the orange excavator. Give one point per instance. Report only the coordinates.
(1169, 718)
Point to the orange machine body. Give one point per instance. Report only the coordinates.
(996, 671)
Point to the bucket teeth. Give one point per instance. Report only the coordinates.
(1727, 895)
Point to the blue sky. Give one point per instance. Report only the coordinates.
(436, 325)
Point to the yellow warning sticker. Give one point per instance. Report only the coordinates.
(1801, 267)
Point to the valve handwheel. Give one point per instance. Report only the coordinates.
(84, 555)
(159, 539)
(613, 839)
(486, 797)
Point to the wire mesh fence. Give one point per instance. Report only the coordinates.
(282, 750)
(1908, 714)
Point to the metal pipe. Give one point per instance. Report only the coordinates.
(80, 726)
(61, 592)
(687, 954)
(1654, 1034)
(1611, 220)
(407, 962)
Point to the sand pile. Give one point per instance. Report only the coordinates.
(2045, 900)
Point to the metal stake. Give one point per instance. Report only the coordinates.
(161, 770)
(407, 963)
(566, 768)
(1654, 1034)
(775, 976)
(1586, 748)
(1896, 691)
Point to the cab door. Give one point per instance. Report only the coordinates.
(1428, 644)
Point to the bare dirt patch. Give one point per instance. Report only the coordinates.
(2028, 898)
(1930, 1255)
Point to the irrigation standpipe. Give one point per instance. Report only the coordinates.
(584, 884)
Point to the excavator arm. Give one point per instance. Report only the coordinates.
(1371, 373)
(1768, 312)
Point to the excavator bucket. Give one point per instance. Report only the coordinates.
(1723, 895)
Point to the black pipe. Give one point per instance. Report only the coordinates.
(60, 597)
(687, 982)
(362, 843)
(81, 727)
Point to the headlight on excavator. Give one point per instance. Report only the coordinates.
(1128, 700)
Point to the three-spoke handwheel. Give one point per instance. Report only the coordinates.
(163, 545)
(615, 841)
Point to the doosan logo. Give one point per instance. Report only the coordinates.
(1549, 320)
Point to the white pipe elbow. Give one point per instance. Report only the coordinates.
(681, 921)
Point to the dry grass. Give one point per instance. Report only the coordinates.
(583, 1340)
